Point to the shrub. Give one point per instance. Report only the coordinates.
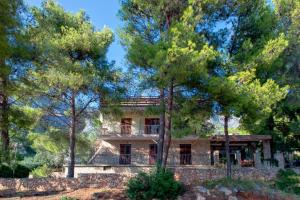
(5, 171)
(288, 181)
(158, 184)
(21, 171)
(42, 171)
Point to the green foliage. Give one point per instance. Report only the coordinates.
(6, 171)
(288, 181)
(42, 171)
(158, 184)
(17, 171)
(51, 148)
(21, 171)
(71, 73)
(15, 87)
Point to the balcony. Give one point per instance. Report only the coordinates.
(151, 129)
(125, 129)
(125, 159)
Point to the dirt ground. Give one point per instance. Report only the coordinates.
(82, 194)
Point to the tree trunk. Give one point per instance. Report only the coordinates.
(71, 160)
(160, 146)
(168, 124)
(228, 161)
(4, 119)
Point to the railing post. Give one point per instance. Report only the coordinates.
(257, 159)
(216, 157)
(239, 159)
(280, 158)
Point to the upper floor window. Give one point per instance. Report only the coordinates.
(152, 154)
(185, 154)
(125, 154)
(151, 125)
(126, 125)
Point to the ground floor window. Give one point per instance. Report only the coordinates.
(125, 154)
(152, 153)
(185, 154)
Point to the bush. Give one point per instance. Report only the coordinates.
(42, 171)
(21, 171)
(5, 171)
(288, 181)
(158, 184)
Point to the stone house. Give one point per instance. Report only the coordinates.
(129, 143)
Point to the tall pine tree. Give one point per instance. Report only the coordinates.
(71, 73)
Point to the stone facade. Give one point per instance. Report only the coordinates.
(108, 152)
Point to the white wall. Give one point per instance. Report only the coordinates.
(112, 125)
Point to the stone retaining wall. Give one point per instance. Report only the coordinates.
(36, 185)
(187, 175)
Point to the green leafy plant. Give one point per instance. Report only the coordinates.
(42, 171)
(17, 171)
(20, 171)
(5, 171)
(288, 181)
(158, 184)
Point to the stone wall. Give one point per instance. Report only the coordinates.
(36, 185)
(195, 175)
(187, 175)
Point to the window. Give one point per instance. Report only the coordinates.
(151, 125)
(152, 153)
(185, 154)
(126, 125)
(125, 154)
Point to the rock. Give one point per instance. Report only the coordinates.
(232, 198)
(235, 190)
(225, 190)
(202, 190)
(200, 197)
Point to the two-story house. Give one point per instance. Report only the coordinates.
(130, 141)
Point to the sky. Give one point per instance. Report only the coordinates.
(102, 13)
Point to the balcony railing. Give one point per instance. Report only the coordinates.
(185, 159)
(125, 129)
(152, 129)
(152, 159)
(125, 159)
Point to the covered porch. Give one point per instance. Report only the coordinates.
(245, 150)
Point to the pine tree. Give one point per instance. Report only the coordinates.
(161, 40)
(71, 69)
(15, 113)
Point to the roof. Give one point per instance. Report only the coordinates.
(138, 101)
(240, 138)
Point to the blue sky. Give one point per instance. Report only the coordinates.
(102, 13)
